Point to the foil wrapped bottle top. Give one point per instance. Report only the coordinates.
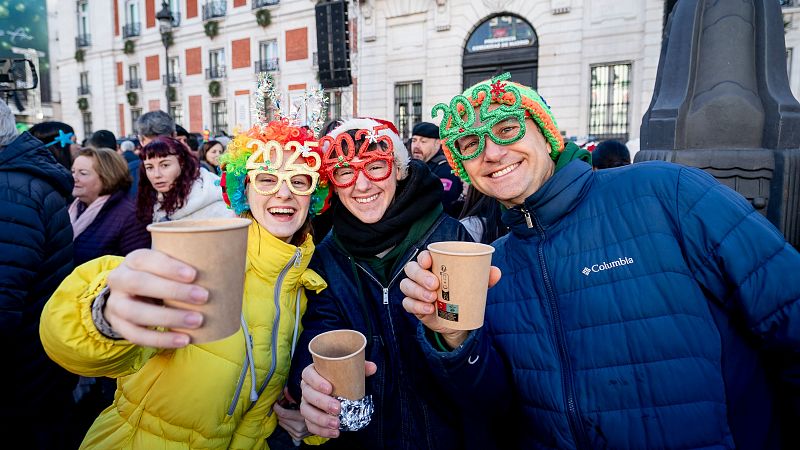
(355, 414)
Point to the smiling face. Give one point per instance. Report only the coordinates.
(162, 172)
(87, 182)
(212, 155)
(510, 173)
(366, 199)
(282, 213)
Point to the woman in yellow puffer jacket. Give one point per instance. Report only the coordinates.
(223, 394)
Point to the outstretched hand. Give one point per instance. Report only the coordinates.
(134, 305)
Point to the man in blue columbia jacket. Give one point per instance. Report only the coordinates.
(640, 307)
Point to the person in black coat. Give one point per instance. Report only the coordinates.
(35, 256)
(388, 209)
(426, 146)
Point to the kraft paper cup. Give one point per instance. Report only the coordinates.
(217, 248)
(463, 272)
(339, 358)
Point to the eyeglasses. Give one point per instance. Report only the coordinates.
(501, 129)
(375, 152)
(267, 182)
(267, 159)
(374, 169)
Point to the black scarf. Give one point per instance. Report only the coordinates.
(416, 196)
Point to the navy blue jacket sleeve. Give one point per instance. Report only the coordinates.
(474, 375)
(741, 259)
(322, 314)
(747, 266)
(31, 229)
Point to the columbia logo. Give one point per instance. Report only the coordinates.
(619, 262)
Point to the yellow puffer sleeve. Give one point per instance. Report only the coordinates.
(312, 281)
(315, 440)
(68, 333)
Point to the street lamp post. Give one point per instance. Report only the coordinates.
(165, 20)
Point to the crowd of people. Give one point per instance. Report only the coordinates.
(629, 305)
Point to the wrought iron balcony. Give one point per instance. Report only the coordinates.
(131, 30)
(174, 78)
(83, 90)
(266, 65)
(216, 72)
(83, 40)
(214, 9)
(262, 3)
(133, 83)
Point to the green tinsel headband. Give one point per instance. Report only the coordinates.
(516, 102)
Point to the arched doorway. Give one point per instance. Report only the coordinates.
(501, 43)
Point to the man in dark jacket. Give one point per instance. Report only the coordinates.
(426, 146)
(35, 255)
(128, 148)
(388, 210)
(643, 307)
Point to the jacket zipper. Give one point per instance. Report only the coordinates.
(295, 261)
(573, 417)
(385, 290)
(527, 215)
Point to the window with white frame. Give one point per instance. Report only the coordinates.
(83, 21)
(267, 56)
(407, 106)
(175, 9)
(610, 101)
(216, 63)
(135, 113)
(174, 70)
(133, 72)
(87, 123)
(176, 111)
(132, 11)
(219, 118)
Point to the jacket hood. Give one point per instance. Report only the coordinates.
(205, 193)
(28, 154)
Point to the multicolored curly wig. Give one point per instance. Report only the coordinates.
(233, 162)
(515, 100)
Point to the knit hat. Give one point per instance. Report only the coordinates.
(426, 129)
(515, 100)
(262, 146)
(369, 125)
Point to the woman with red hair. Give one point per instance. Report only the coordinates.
(172, 186)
